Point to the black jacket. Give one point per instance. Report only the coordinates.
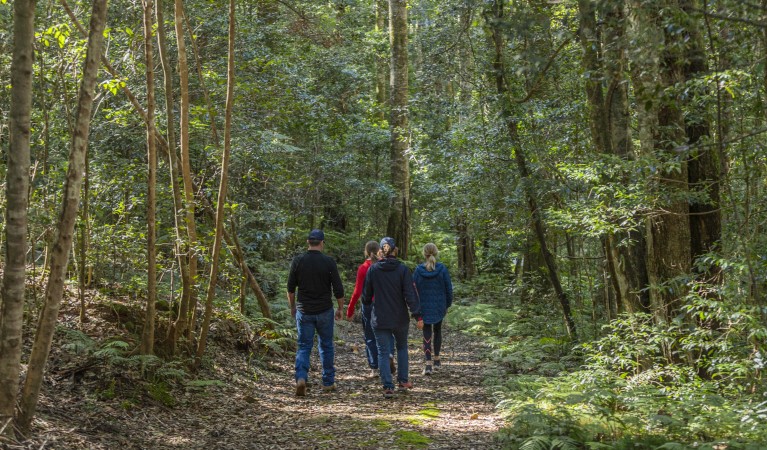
(314, 274)
(392, 285)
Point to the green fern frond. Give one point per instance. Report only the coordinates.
(537, 443)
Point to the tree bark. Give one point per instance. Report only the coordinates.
(55, 287)
(467, 267)
(180, 246)
(185, 320)
(661, 129)
(221, 202)
(398, 225)
(380, 61)
(17, 194)
(703, 172)
(603, 56)
(147, 336)
(496, 17)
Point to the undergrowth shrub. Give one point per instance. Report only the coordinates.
(695, 382)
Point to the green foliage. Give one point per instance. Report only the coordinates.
(160, 393)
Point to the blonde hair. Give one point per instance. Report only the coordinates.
(371, 250)
(430, 252)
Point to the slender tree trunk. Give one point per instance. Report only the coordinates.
(54, 289)
(398, 225)
(234, 246)
(221, 203)
(496, 17)
(17, 198)
(181, 245)
(467, 267)
(147, 337)
(84, 239)
(185, 321)
(628, 248)
(380, 60)
(206, 95)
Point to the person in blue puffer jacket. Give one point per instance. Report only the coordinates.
(435, 290)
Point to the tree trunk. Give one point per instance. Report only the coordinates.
(54, 289)
(467, 267)
(174, 168)
(380, 61)
(398, 225)
(703, 167)
(221, 203)
(17, 197)
(661, 128)
(185, 320)
(147, 336)
(84, 239)
(524, 174)
(608, 119)
(628, 248)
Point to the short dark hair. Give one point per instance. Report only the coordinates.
(314, 242)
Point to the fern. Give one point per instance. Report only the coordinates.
(565, 443)
(537, 443)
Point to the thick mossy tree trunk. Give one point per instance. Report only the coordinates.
(656, 62)
(704, 165)
(495, 18)
(603, 61)
(70, 204)
(17, 198)
(147, 335)
(398, 225)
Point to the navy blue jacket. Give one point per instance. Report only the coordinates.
(435, 291)
(392, 285)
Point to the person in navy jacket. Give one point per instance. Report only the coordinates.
(435, 291)
(392, 285)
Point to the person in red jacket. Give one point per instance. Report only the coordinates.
(371, 350)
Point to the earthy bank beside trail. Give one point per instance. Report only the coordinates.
(254, 407)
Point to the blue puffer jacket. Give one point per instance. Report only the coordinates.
(435, 290)
(390, 282)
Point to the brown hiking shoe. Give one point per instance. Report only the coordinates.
(300, 387)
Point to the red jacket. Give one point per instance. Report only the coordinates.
(358, 285)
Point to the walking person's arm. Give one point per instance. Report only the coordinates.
(448, 290)
(292, 284)
(411, 297)
(358, 285)
(292, 303)
(338, 288)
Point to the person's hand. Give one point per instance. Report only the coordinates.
(419, 324)
(339, 314)
(293, 312)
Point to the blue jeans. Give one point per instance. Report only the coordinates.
(384, 341)
(306, 325)
(371, 349)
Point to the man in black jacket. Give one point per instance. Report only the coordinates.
(315, 275)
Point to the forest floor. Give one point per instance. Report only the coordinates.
(241, 405)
